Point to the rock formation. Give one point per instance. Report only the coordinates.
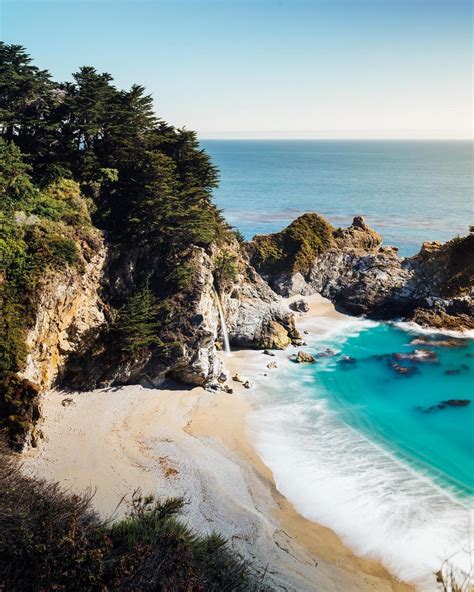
(354, 270)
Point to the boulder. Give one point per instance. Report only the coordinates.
(303, 358)
(299, 306)
(275, 336)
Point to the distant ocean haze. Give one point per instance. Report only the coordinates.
(409, 191)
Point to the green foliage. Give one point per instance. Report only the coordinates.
(225, 268)
(137, 325)
(15, 184)
(181, 274)
(50, 540)
(38, 233)
(85, 153)
(294, 248)
(239, 236)
(61, 201)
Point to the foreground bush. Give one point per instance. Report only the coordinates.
(50, 540)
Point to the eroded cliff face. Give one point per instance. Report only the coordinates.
(363, 277)
(69, 313)
(255, 317)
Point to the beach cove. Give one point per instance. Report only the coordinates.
(196, 444)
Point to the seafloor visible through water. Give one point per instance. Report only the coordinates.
(376, 440)
(409, 191)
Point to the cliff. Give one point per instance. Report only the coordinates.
(189, 321)
(361, 276)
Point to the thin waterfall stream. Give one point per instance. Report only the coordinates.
(225, 333)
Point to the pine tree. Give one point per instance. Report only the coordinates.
(137, 325)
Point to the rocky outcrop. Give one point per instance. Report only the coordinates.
(254, 314)
(363, 277)
(69, 313)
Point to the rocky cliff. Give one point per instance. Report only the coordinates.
(361, 276)
(190, 326)
(74, 340)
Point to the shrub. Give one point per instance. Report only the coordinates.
(294, 248)
(137, 324)
(51, 540)
(225, 268)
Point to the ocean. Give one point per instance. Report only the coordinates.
(377, 456)
(409, 191)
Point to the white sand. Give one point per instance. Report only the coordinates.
(192, 443)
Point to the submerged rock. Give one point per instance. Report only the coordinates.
(432, 342)
(327, 353)
(453, 371)
(268, 352)
(445, 404)
(419, 355)
(347, 360)
(403, 370)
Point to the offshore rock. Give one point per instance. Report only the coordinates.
(352, 268)
(303, 358)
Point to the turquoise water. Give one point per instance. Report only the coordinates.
(358, 446)
(401, 411)
(369, 452)
(409, 191)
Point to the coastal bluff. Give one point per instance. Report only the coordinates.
(74, 342)
(361, 276)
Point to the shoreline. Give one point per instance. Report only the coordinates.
(195, 444)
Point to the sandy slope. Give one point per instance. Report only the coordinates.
(194, 444)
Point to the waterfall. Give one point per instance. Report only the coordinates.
(225, 334)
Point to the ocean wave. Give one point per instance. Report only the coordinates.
(338, 329)
(411, 327)
(380, 506)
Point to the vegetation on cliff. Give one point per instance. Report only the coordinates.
(83, 157)
(295, 248)
(40, 230)
(51, 540)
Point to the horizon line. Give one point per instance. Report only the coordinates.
(344, 139)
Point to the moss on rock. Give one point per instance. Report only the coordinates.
(294, 248)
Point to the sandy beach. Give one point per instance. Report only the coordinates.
(195, 444)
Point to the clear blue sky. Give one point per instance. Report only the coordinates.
(269, 68)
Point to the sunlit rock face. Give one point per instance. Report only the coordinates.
(362, 276)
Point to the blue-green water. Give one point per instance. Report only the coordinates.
(401, 411)
(358, 446)
(409, 191)
(371, 453)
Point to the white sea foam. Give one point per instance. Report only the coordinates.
(337, 329)
(412, 327)
(380, 507)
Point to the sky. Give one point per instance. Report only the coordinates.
(269, 68)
